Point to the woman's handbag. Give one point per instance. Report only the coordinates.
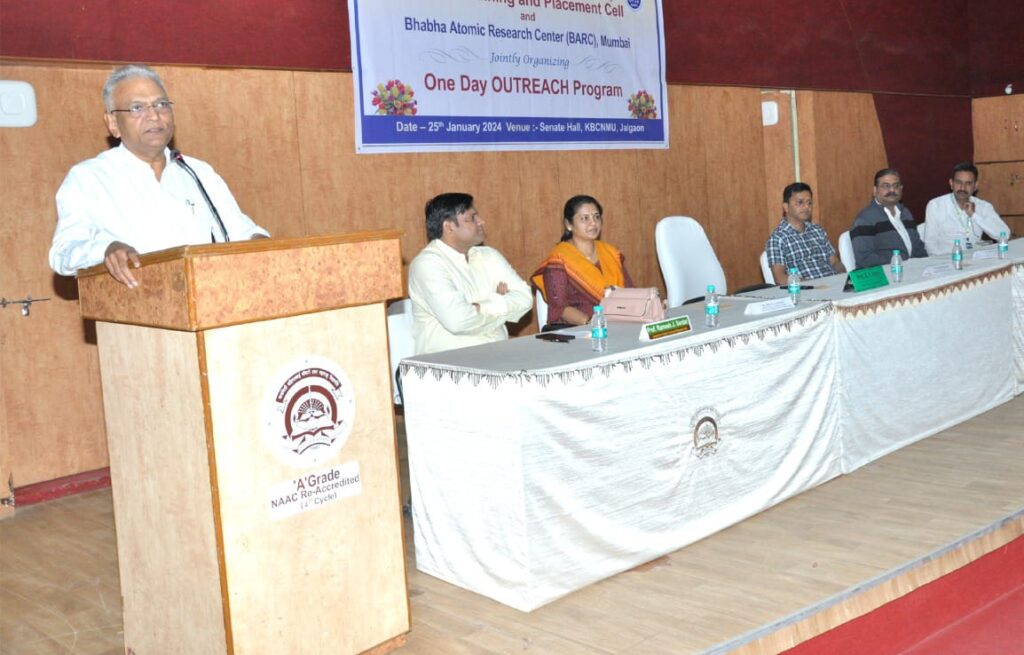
(633, 305)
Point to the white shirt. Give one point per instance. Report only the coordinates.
(443, 286)
(115, 196)
(893, 215)
(944, 221)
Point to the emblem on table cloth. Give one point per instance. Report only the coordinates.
(309, 410)
(706, 438)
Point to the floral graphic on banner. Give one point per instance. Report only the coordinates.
(394, 99)
(641, 105)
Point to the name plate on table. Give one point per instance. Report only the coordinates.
(988, 253)
(768, 306)
(937, 269)
(864, 279)
(665, 328)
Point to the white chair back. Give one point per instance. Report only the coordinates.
(766, 270)
(401, 343)
(688, 262)
(542, 310)
(846, 251)
(920, 231)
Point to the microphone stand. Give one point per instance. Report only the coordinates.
(180, 159)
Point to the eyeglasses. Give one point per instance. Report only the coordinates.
(891, 187)
(138, 109)
(586, 218)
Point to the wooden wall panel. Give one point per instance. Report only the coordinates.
(674, 182)
(998, 128)
(540, 195)
(847, 151)
(339, 188)
(779, 170)
(538, 200)
(284, 142)
(243, 123)
(808, 144)
(50, 370)
(735, 181)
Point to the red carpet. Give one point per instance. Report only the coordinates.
(977, 609)
(995, 629)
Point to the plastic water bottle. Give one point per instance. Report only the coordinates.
(793, 285)
(1004, 246)
(598, 330)
(711, 307)
(970, 233)
(958, 255)
(896, 266)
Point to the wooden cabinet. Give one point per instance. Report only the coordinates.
(1003, 185)
(998, 128)
(999, 155)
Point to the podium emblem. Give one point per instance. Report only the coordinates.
(309, 411)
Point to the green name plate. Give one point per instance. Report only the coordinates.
(666, 327)
(869, 278)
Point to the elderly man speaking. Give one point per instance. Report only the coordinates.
(140, 196)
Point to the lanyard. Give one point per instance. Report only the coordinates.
(966, 222)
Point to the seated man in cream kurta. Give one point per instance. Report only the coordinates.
(462, 292)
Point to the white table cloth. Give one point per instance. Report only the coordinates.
(1017, 257)
(917, 357)
(537, 468)
(922, 356)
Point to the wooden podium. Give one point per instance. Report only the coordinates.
(252, 447)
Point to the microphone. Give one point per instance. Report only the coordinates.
(180, 159)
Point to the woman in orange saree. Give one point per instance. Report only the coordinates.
(577, 271)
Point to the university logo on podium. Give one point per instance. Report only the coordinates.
(309, 411)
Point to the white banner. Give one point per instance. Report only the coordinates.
(446, 75)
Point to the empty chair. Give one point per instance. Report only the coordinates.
(542, 310)
(846, 251)
(401, 343)
(688, 262)
(766, 270)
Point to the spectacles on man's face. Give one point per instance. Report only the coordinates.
(139, 109)
(895, 186)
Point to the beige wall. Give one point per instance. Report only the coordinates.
(284, 142)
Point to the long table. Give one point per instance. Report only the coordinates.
(537, 468)
(922, 355)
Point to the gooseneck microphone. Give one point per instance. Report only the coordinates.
(180, 159)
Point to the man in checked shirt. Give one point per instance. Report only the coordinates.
(799, 242)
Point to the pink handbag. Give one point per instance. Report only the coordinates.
(633, 305)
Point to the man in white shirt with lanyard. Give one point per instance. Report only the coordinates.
(462, 292)
(140, 196)
(960, 215)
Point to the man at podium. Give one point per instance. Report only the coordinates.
(140, 196)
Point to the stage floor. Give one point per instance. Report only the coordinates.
(784, 575)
